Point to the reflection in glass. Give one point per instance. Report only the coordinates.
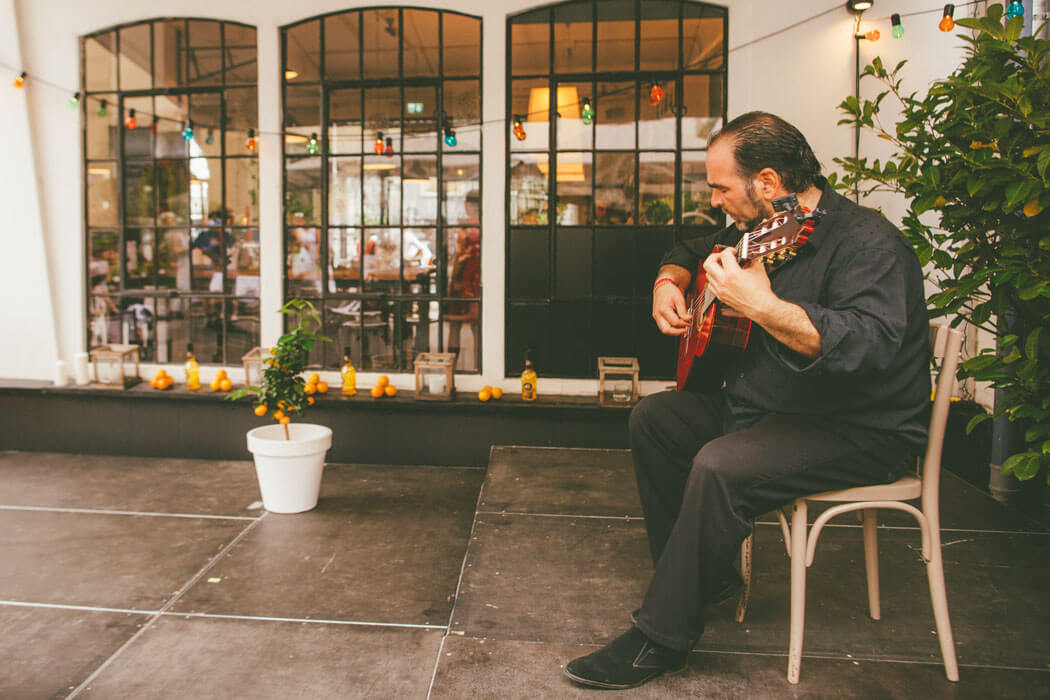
(344, 257)
(173, 111)
(172, 189)
(382, 191)
(572, 132)
(382, 114)
(104, 261)
(419, 254)
(104, 324)
(302, 197)
(524, 94)
(243, 267)
(342, 57)
(382, 259)
(461, 333)
(656, 188)
(138, 193)
(614, 115)
(138, 323)
(461, 180)
(614, 188)
(138, 143)
(139, 258)
(303, 246)
(302, 116)
(659, 35)
(420, 53)
(242, 327)
(419, 108)
(344, 121)
(136, 59)
(463, 107)
(205, 67)
(169, 45)
(102, 194)
(206, 115)
(205, 189)
(703, 109)
(696, 194)
(657, 123)
(242, 191)
(208, 248)
(703, 37)
(173, 259)
(100, 64)
(241, 66)
(616, 35)
(573, 37)
(381, 29)
(206, 329)
(573, 177)
(344, 191)
(461, 37)
(528, 188)
(102, 138)
(419, 185)
(242, 113)
(205, 33)
(302, 48)
(531, 39)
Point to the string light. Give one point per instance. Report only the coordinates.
(898, 28)
(210, 139)
(948, 21)
(519, 128)
(311, 146)
(1014, 9)
(20, 80)
(187, 131)
(389, 150)
(450, 136)
(873, 35)
(131, 122)
(74, 101)
(252, 143)
(587, 111)
(656, 93)
(102, 111)
(378, 146)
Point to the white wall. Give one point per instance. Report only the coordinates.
(801, 74)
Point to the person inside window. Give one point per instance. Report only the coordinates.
(464, 276)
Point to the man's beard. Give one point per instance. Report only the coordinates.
(762, 208)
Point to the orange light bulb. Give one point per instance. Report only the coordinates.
(873, 35)
(20, 81)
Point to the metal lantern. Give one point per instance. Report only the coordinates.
(435, 376)
(253, 369)
(115, 366)
(617, 380)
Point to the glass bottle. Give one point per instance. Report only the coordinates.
(349, 374)
(528, 383)
(193, 370)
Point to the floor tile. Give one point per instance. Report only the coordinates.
(48, 652)
(385, 544)
(128, 483)
(490, 668)
(117, 561)
(181, 658)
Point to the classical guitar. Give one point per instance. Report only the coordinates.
(716, 331)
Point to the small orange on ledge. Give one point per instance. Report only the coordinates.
(225, 384)
(383, 380)
(322, 387)
(390, 390)
(377, 391)
(314, 378)
(485, 394)
(497, 393)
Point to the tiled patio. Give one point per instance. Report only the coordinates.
(156, 578)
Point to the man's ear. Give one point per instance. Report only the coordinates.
(769, 184)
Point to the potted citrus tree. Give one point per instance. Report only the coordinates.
(289, 457)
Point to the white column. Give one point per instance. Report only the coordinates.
(270, 148)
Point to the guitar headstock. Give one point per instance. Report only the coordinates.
(780, 236)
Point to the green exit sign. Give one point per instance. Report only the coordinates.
(415, 108)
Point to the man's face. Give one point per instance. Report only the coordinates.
(734, 195)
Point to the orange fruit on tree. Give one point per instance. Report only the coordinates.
(278, 414)
(322, 387)
(390, 390)
(225, 384)
(260, 410)
(310, 388)
(285, 420)
(314, 378)
(383, 380)
(377, 391)
(484, 395)
(497, 393)
(310, 400)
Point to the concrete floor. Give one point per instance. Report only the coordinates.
(123, 577)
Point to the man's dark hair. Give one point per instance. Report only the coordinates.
(764, 140)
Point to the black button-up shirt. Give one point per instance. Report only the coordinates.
(861, 284)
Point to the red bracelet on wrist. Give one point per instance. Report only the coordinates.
(661, 281)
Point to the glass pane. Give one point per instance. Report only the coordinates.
(303, 262)
(206, 114)
(103, 261)
(612, 268)
(616, 27)
(104, 326)
(173, 259)
(238, 34)
(421, 49)
(100, 63)
(342, 50)
(657, 123)
(530, 102)
(206, 189)
(382, 259)
(530, 44)
(572, 132)
(205, 67)
(659, 35)
(173, 113)
(461, 333)
(656, 188)
(461, 36)
(241, 66)
(243, 265)
(528, 267)
(461, 180)
(207, 250)
(696, 195)
(242, 113)
(344, 258)
(380, 29)
(302, 116)
(242, 191)
(463, 108)
(169, 46)
(614, 188)
(302, 199)
(614, 120)
(139, 252)
(136, 60)
(102, 135)
(205, 330)
(572, 340)
(572, 263)
(302, 45)
(138, 193)
(573, 180)
(528, 188)
(420, 130)
(344, 191)
(382, 191)
(382, 115)
(102, 194)
(204, 33)
(703, 109)
(703, 36)
(138, 142)
(242, 327)
(344, 121)
(419, 187)
(419, 329)
(463, 264)
(419, 253)
(137, 325)
(573, 38)
(172, 192)
(528, 331)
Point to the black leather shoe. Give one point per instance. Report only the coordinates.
(626, 662)
(730, 591)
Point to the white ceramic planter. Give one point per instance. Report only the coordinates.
(289, 471)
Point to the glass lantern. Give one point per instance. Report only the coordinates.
(253, 368)
(435, 377)
(617, 380)
(115, 366)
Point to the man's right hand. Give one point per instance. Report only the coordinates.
(669, 309)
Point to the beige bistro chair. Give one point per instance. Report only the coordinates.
(945, 343)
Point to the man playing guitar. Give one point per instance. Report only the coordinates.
(828, 393)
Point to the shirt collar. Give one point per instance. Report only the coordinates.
(831, 202)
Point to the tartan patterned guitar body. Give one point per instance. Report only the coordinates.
(716, 331)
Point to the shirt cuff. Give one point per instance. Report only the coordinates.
(832, 330)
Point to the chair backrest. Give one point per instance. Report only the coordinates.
(946, 345)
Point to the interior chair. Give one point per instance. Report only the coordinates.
(801, 542)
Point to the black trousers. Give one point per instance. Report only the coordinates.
(701, 487)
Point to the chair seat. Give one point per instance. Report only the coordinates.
(904, 489)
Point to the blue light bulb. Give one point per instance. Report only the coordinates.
(1014, 9)
(450, 137)
(187, 133)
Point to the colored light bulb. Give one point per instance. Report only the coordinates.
(656, 93)
(873, 35)
(102, 111)
(131, 122)
(389, 150)
(74, 101)
(311, 146)
(450, 137)
(210, 139)
(898, 28)
(1014, 9)
(252, 143)
(518, 128)
(947, 22)
(20, 80)
(187, 132)
(587, 111)
(378, 147)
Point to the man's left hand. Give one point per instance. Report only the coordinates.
(746, 290)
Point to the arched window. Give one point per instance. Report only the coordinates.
(382, 167)
(171, 188)
(605, 177)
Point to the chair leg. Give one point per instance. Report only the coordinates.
(939, 599)
(745, 573)
(871, 561)
(798, 587)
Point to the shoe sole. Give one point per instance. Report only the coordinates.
(613, 686)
